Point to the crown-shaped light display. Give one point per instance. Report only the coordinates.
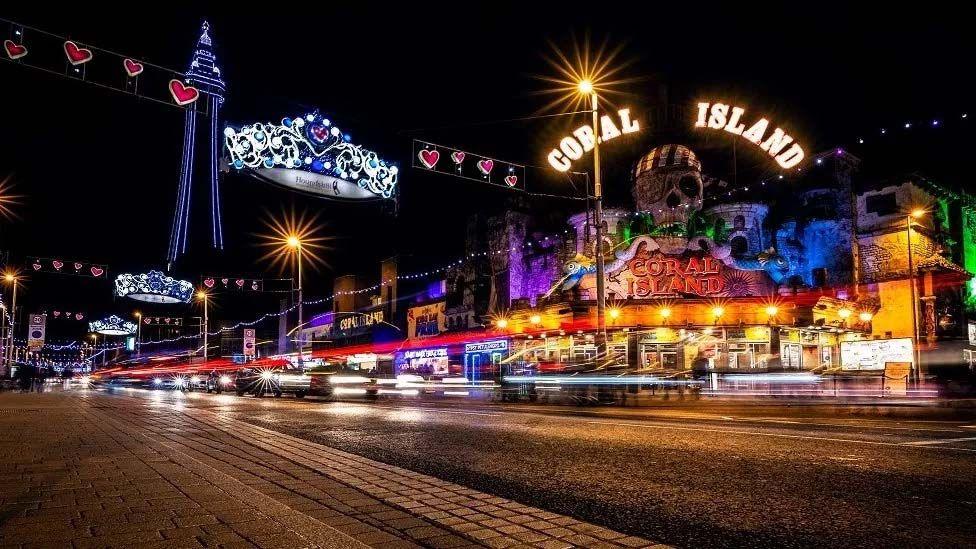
(313, 144)
(112, 325)
(154, 287)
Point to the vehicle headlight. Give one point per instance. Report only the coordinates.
(194, 379)
(179, 382)
(266, 375)
(224, 380)
(157, 381)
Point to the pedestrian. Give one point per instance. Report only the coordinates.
(24, 377)
(39, 376)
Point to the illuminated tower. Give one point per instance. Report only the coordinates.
(204, 74)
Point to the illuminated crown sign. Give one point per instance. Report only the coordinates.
(312, 155)
(113, 325)
(154, 287)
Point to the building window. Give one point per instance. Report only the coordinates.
(881, 204)
(820, 277)
(739, 222)
(739, 246)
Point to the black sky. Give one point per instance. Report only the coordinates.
(98, 170)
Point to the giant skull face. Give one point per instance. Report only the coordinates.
(669, 184)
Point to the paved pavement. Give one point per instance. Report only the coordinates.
(153, 469)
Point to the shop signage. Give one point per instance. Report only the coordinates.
(972, 333)
(721, 116)
(660, 275)
(874, 354)
(486, 346)
(427, 320)
(425, 353)
(360, 320)
(572, 147)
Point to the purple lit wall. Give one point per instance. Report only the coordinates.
(532, 275)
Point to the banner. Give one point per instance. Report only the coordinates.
(36, 331)
(249, 342)
(466, 165)
(217, 283)
(66, 267)
(77, 60)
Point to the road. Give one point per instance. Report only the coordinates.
(686, 477)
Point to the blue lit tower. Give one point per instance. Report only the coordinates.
(204, 74)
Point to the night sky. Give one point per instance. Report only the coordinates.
(98, 170)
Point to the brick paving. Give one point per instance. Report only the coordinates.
(94, 470)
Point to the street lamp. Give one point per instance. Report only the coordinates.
(585, 87)
(916, 213)
(295, 243)
(202, 296)
(138, 333)
(12, 279)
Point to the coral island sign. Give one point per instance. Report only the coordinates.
(721, 116)
(572, 147)
(662, 275)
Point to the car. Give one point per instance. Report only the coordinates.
(217, 382)
(333, 380)
(275, 379)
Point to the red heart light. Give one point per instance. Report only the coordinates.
(239, 282)
(57, 265)
(457, 157)
(57, 314)
(79, 316)
(77, 266)
(76, 55)
(95, 271)
(14, 51)
(36, 266)
(133, 68)
(209, 282)
(429, 158)
(511, 180)
(183, 94)
(486, 165)
(320, 132)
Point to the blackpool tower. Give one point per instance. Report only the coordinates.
(203, 74)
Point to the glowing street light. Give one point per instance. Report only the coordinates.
(11, 278)
(865, 316)
(501, 323)
(138, 333)
(844, 313)
(202, 296)
(293, 238)
(916, 213)
(772, 310)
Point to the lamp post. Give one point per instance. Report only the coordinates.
(295, 243)
(138, 333)
(585, 87)
(202, 296)
(915, 214)
(12, 279)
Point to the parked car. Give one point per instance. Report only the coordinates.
(274, 379)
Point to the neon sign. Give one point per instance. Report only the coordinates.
(572, 147)
(720, 116)
(660, 275)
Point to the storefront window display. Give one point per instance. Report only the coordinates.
(423, 362)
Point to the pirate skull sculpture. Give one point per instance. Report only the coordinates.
(668, 184)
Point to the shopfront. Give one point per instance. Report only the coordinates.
(428, 363)
(482, 358)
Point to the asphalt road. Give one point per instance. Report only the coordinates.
(687, 477)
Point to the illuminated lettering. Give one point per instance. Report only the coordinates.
(779, 144)
(584, 139)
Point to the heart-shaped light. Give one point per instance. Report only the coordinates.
(36, 266)
(209, 282)
(57, 265)
(95, 271)
(133, 68)
(182, 94)
(75, 54)
(511, 180)
(77, 266)
(239, 282)
(457, 157)
(429, 158)
(485, 166)
(14, 50)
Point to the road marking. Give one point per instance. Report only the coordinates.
(776, 435)
(937, 441)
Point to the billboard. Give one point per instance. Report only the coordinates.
(874, 354)
(249, 342)
(36, 330)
